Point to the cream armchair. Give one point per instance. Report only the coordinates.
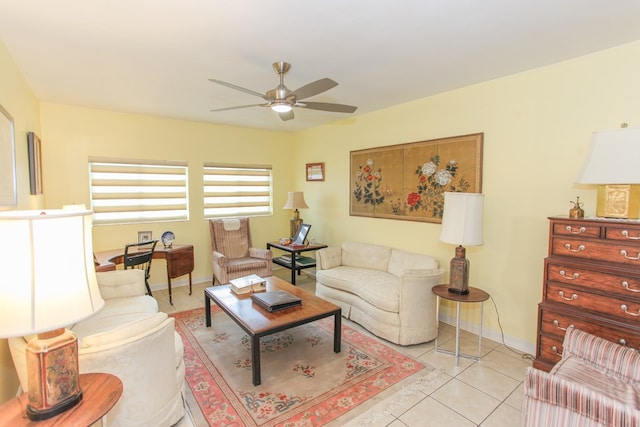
(594, 384)
(129, 338)
(232, 251)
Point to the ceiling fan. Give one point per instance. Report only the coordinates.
(282, 100)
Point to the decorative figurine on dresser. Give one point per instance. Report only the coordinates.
(592, 282)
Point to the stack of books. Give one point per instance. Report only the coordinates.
(248, 284)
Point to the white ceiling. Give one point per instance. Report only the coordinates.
(156, 56)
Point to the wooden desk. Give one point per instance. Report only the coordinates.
(100, 392)
(179, 258)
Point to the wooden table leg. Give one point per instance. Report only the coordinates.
(207, 309)
(255, 359)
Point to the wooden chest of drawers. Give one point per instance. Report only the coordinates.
(591, 281)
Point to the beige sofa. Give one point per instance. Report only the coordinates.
(129, 338)
(386, 290)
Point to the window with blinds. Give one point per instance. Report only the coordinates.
(237, 190)
(134, 191)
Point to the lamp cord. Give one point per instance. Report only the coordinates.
(525, 356)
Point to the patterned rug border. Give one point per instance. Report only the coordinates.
(320, 410)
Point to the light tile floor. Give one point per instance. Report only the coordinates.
(473, 393)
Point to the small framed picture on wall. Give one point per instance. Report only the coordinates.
(35, 162)
(315, 171)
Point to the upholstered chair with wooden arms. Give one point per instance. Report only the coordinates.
(233, 254)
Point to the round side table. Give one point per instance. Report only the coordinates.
(99, 393)
(475, 295)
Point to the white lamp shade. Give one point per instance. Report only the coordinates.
(613, 158)
(48, 273)
(295, 200)
(462, 219)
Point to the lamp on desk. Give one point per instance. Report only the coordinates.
(295, 200)
(612, 163)
(461, 225)
(49, 282)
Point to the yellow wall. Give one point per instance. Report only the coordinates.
(537, 127)
(17, 98)
(72, 134)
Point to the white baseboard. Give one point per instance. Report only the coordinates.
(518, 344)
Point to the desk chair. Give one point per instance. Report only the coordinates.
(140, 255)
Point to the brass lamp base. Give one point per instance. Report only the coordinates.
(294, 223)
(618, 201)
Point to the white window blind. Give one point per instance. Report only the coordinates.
(132, 191)
(237, 190)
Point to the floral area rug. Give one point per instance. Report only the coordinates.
(304, 383)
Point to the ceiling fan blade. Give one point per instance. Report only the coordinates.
(238, 107)
(241, 89)
(326, 106)
(286, 116)
(314, 88)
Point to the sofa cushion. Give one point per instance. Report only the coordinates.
(117, 335)
(378, 288)
(401, 260)
(365, 255)
(116, 312)
(121, 283)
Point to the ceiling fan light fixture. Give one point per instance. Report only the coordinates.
(281, 107)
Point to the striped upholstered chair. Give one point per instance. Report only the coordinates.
(594, 384)
(233, 254)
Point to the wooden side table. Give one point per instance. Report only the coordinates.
(100, 392)
(475, 295)
(295, 263)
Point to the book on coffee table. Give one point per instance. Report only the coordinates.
(276, 300)
(248, 284)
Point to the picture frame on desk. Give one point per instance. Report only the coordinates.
(145, 236)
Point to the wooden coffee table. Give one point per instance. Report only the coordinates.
(257, 322)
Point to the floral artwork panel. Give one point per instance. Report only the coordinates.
(408, 181)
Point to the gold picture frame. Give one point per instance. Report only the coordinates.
(35, 162)
(315, 171)
(408, 181)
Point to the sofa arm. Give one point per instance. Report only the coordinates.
(121, 283)
(219, 259)
(327, 258)
(551, 400)
(260, 253)
(601, 353)
(417, 302)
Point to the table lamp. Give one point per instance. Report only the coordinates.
(612, 163)
(295, 200)
(461, 225)
(49, 282)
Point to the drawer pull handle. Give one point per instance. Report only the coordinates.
(566, 276)
(557, 323)
(625, 285)
(573, 296)
(622, 341)
(580, 248)
(555, 350)
(624, 308)
(578, 231)
(625, 233)
(624, 253)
